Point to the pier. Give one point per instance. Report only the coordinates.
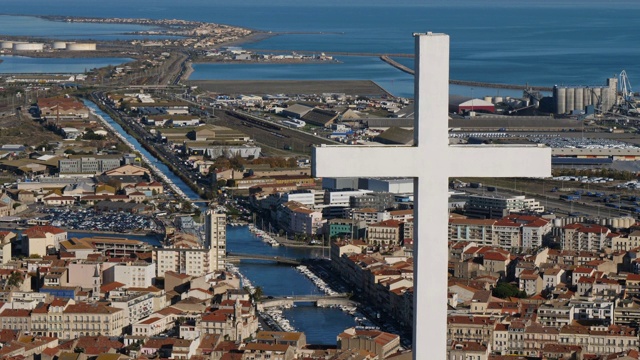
(397, 65)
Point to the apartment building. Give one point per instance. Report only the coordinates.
(590, 237)
(132, 274)
(215, 238)
(599, 340)
(386, 233)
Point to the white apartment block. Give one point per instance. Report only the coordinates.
(341, 198)
(476, 230)
(190, 261)
(215, 227)
(138, 274)
(135, 305)
(304, 198)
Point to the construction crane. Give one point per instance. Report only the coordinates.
(627, 104)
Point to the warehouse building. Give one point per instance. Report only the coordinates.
(462, 104)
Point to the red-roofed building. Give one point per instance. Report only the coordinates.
(580, 272)
(467, 350)
(496, 262)
(470, 328)
(16, 319)
(552, 277)
(530, 282)
(378, 342)
(600, 340)
(235, 323)
(475, 230)
(37, 239)
(385, 234)
(590, 237)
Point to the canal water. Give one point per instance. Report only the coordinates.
(320, 325)
(160, 165)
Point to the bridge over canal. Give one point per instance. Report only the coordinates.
(319, 300)
(231, 256)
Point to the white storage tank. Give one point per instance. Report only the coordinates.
(59, 45)
(6, 45)
(560, 97)
(570, 104)
(487, 99)
(28, 47)
(616, 223)
(81, 47)
(497, 99)
(579, 99)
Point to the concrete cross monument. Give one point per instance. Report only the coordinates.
(431, 161)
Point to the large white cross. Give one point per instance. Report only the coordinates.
(431, 161)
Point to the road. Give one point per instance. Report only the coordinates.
(552, 202)
(163, 150)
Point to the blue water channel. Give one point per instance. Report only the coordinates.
(138, 147)
(321, 325)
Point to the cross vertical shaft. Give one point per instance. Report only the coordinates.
(431, 161)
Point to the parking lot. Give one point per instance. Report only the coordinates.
(83, 219)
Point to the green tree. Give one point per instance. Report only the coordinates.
(258, 293)
(504, 290)
(15, 279)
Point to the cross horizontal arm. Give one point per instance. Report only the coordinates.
(499, 161)
(364, 161)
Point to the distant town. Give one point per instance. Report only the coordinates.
(120, 186)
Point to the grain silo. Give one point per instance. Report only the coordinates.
(570, 101)
(579, 99)
(560, 95)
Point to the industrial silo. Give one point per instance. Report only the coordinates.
(560, 95)
(578, 99)
(59, 45)
(596, 93)
(81, 47)
(605, 99)
(586, 97)
(488, 99)
(616, 223)
(570, 104)
(497, 99)
(28, 47)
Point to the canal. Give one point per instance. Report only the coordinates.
(320, 325)
(139, 148)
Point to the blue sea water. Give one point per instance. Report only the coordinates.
(23, 64)
(37, 27)
(507, 41)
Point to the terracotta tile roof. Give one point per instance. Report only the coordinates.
(495, 256)
(111, 286)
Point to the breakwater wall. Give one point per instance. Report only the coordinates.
(408, 70)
